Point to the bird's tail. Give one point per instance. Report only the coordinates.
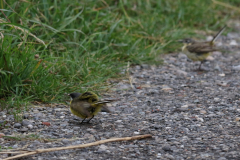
(218, 34)
(105, 101)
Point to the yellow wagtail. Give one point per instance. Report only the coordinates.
(87, 104)
(199, 51)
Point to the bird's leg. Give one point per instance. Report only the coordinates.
(90, 119)
(83, 120)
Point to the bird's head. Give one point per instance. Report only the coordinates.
(74, 95)
(187, 41)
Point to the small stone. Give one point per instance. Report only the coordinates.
(237, 119)
(35, 111)
(26, 116)
(167, 148)
(65, 141)
(1, 135)
(23, 130)
(209, 38)
(196, 101)
(221, 83)
(145, 66)
(17, 125)
(203, 111)
(237, 68)
(184, 106)
(26, 123)
(198, 90)
(182, 56)
(39, 114)
(159, 155)
(216, 100)
(2, 122)
(181, 73)
(217, 53)
(233, 43)
(217, 67)
(36, 142)
(102, 148)
(30, 126)
(76, 128)
(118, 121)
(199, 118)
(15, 146)
(137, 67)
(169, 156)
(166, 88)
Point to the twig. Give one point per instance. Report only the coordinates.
(9, 152)
(5, 16)
(226, 5)
(80, 146)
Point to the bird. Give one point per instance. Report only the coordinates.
(104, 107)
(87, 104)
(199, 51)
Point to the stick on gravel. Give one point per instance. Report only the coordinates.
(80, 146)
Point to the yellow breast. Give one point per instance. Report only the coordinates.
(194, 56)
(92, 111)
(76, 113)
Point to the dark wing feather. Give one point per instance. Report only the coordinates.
(81, 107)
(201, 48)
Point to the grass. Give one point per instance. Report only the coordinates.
(50, 48)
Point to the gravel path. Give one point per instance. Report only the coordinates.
(191, 115)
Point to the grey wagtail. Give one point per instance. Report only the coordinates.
(86, 105)
(199, 51)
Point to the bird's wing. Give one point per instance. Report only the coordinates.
(82, 107)
(201, 48)
(104, 101)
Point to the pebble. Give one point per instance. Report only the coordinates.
(167, 148)
(102, 148)
(217, 100)
(65, 141)
(26, 123)
(181, 73)
(237, 68)
(15, 146)
(26, 116)
(237, 119)
(233, 43)
(1, 135)
(17, 125)
(23, 130)
(184, 106)
(30, 126)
